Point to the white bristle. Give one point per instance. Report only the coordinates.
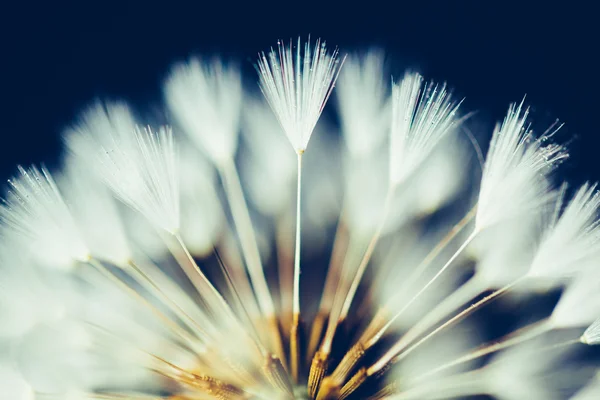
(572, 239)
(144, 176)
(36, 211)
(422, 114)
(515, 174)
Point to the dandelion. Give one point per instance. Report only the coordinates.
(139, 271)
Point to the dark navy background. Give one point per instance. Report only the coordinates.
(57, 56)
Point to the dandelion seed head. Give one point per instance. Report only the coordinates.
(189, 284)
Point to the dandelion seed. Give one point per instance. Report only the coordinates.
(298, 86)
(516, 171)
(144, 175)
(422, 114)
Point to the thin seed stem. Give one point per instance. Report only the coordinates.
(456, 229)
(202, 284)
(367, 256)
(439, 273)
(295, 327)
(192, 341)
(148, 283)
(246, 235)
(466, 292)
(395, 354)
(296, 304)
(522, 335)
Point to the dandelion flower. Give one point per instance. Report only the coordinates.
(144, 274)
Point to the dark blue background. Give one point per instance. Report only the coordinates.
(56, 56)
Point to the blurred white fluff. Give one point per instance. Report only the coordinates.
(144, 176)
(571, 239)
(531, 371)
(362, 98)
(205, 99)
(137, 164)
(297, 88)
(364, 196)
(60, 357)
(201, 213)
(35, 211)
(399, 281)
(422, 114)
(269, 168)
(505, 251)
(25, 299)
(592, 333)
(441, 178)
(433, 185)
(443, 349)
(579, 304)
(514, 180)
(96, 213)
(590, 392)
(13, 385)
(105, 123)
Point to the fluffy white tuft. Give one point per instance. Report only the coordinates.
(205, 100)
(268, 166)
(362, 102)
(104, 122)
(201, 213)
(515, 174)
(297, 86)
(141, 172)
(579, 304)
(36, 211)
(96, 212)
(422, 114)
(527, 372)
(572, 239)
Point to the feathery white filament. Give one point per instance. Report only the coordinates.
(362, 103)
(105, 123)
(590, 392)
(421, 116)
(297, 88)
(515, 173)
(579, 304)
(144, 176)
(95, 210)
(269, 167)
(572, 239)
(35, 209)
(206, 101)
